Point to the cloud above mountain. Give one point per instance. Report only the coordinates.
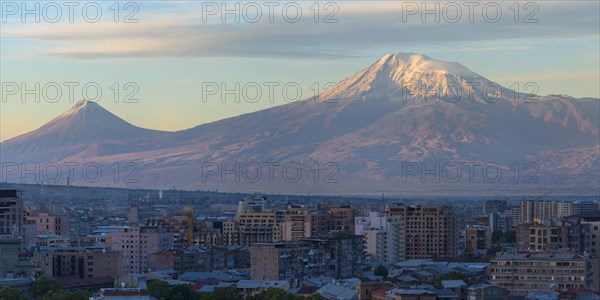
(181, 33)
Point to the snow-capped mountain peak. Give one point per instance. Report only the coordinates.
(397, 74)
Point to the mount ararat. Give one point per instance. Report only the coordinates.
(405, 123)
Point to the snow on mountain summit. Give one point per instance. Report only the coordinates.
(398, 73)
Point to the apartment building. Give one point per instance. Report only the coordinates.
(478, 239)
(200, 259)
(540, 237)
(12, 214)
(494, 206)
(81, 262)
(50, 223)
(584, 232)
(521, 273)
(302, 222)
(136, 242)
(430, 230)
(387, 244)
(543, 210)
(341, 255)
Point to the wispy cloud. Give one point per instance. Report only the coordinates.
(180, 33)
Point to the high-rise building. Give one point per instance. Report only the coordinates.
(302, 222)
(585, 206)
(341, 218)
(252, 204)
(539, 237)
(16, 270)
(257, 227)
(136, 242)
(430, 230)
(12, 213)
(521, 273)
(46, 222)
(387, 244)
(585, 232)
(478, 239)
(543, 210)
(133, 216)
(253, 223)
(80, 262)
(501, 221)
(494, 206)
(200, 259)
(373, 220)
(340, 255)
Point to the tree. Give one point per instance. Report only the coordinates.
(509, 237)
(381, 271)
(279, 294)
(65, 295)
(229, 293)
(8, 293)
(159, 289)
(272, 294)
(44, 285)
(183, 292)
(497, 235)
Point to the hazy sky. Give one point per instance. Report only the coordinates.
(176, 50)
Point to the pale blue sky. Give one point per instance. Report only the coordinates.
(170, 52)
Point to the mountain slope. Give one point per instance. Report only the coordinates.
(86, 130)
(404, 108)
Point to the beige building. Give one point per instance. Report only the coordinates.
(521, 273)
(430, 230)
(50, 223)
(478, 239)
(90, 262)
(539, 237)
(301, 222)
(136, 242)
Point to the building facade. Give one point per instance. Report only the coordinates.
(521, 273)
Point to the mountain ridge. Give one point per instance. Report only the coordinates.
(374, 127)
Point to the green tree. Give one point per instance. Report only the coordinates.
(229, 293)
(44, 285)
(279, 294)
(159, 289)
(497, 235)
(381, 271)
(183, 292)
(65, 295)
(8, 293)
(273, 294)
(509, 237)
